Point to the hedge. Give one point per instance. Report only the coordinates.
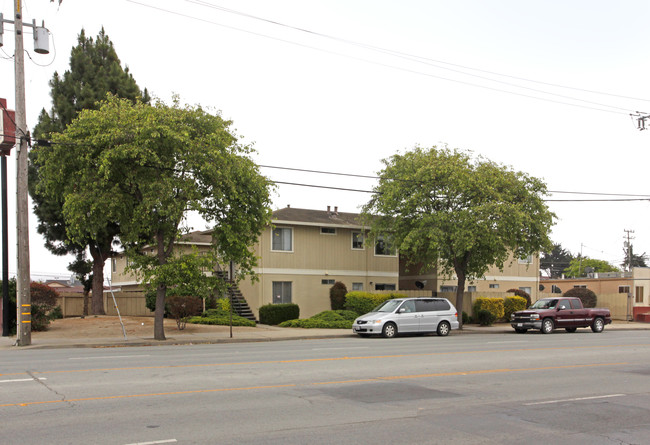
(513, 304)
(494, 305)
(364, 302)
(273, 314)
(339, 319)
(220, 317)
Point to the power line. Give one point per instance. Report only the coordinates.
(627, 112)
(402, 54)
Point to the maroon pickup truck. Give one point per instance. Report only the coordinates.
(559, 312)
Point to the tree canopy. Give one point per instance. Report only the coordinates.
(445, 209)
(555, 261)
(580, 266)
(95, 70)
(145, 167)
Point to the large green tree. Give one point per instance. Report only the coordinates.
(95, 70)
(581, 266)
(445, 209)
(145, 167)
(555, 261)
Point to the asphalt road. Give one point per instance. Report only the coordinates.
(491, 389)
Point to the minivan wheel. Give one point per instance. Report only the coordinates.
(598, 325)
(389, 330)
(443, 329)
(547, 326)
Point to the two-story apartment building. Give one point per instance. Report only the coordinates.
(306, 251)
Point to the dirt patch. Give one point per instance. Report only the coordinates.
(105, 326)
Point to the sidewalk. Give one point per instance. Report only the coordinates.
(105, 331)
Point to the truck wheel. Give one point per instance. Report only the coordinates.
(598, 325)
(389, 330)
(547, 326)
(521, 330)
(571, 329)
(443, 329)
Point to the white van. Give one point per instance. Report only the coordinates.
(408, 315)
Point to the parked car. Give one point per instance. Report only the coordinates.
(408, 315)
(548, 314)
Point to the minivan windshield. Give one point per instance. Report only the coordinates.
(388, 306)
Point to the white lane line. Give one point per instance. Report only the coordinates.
(154, 442)
(107, 357)
(21, 380)
(336, 349)
(512, 341)
(577, 399)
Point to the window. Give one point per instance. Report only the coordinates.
(471, 288)
(327, 231)
(281, 292)
(494, 285)
(384, 286)
(555, 289)
(448, 288)
(580, 286)
(327, 282)
(575, 304)
(384, 246)
(638, 293)
(526, 289)
(526, 259)
(114, 264)
(282, 239)
(357, 286)
(357, 240)
(624, 289)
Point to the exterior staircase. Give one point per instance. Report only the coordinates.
(239, 303)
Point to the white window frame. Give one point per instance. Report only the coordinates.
(494, 285)
(290, 229)
(526, 260)
(363, 240)
(381, 238)
(357, 286)
(289, 285)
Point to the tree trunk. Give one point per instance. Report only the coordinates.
(98, 281)
(159, 314)
(161, 291)
(460, 295)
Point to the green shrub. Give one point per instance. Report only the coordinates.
(587, 296)
(220, 317)
(56, 313)
(181, 308)
(513, 304)
(222, 304)
(364, 302)
(485, 317)
(337, 295)
(466, 318)
(43, 299)
(273, 314)
(340, 319)
(494, 305)
(523, 294)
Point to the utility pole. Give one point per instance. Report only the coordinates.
(628, 246)
(23, 297)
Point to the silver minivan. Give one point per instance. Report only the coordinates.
(408, 315)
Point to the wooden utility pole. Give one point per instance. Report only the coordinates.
(23, 297)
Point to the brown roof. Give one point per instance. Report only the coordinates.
(330, 217)
(198, 237)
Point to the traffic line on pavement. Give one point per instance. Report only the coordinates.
(329, 359)
(577, 399)
(21, 380)
(337, 382)
(155, 442)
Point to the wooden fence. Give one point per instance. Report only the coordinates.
(129, 303)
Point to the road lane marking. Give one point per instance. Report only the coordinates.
(155, 442)
(21, 380)
(337, 382)
(327, 359)
(338, 349)
(108, 357)
(577, 399)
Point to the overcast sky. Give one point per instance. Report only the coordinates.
(545, 88)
